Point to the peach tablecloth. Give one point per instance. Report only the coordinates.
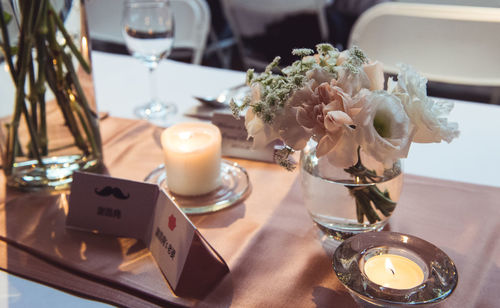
(276, 256)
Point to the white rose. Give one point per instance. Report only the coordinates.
(352, 82)
(375, 73)
(429, 116)
(343, 56)
(262, 133)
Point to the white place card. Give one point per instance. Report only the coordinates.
(235, 142)
(171, 237)
(120, 207)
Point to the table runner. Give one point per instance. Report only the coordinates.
(275, 254)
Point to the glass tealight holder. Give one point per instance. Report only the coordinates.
(439, 276)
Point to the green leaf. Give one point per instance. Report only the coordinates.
(7, 17)
(13, 50)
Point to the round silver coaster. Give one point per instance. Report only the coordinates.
(235, 187)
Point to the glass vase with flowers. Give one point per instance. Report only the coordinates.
(352, 131)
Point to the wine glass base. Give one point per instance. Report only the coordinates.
(155, 111)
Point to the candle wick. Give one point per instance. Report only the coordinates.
(392, 271)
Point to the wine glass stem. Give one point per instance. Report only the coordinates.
(152, 85)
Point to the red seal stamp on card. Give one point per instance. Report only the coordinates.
(171, 222)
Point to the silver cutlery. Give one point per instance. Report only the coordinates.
(222, 100)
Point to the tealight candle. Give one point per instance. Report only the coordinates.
(192, 158)
(393, 271)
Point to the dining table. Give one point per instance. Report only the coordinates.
(276, 256)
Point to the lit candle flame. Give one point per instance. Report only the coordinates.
(389, 266)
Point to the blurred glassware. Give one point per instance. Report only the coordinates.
(148, 30)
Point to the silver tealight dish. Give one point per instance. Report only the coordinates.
(235, 187)
(440, 273)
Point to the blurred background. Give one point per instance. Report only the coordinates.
(454, 44)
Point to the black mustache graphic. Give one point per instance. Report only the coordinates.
(115, 191)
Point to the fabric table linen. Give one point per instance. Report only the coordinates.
(276, 256)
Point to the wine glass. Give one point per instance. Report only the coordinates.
(148, 30)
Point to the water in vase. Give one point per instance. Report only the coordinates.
(328, 196)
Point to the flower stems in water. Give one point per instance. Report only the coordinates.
(42, 60)
(368, 197)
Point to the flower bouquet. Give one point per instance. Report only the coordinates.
(338, 100)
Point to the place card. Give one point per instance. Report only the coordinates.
(235, 141)
(103, 204)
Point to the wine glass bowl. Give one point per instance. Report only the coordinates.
(148, 30)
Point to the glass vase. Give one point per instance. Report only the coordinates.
(347, 201)
(53, 129)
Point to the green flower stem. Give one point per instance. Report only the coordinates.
(40, 90)
(41, 37)
(40, 12)
(33, 135)
(369, 197)
(32, 94)
(68, 39)
(62, 99)
(80, 113)
(93, 134)
(25, 67)
(54, 50)
(359, 211)
(59, 85)
(25, 42)
(363, 201)
(6, 45)
(381, 201)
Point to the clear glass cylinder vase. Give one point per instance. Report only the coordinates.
(347, 201)
(53, 129)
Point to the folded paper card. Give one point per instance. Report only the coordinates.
(103, 204)
(235, 142)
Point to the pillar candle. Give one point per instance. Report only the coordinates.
(192, 158)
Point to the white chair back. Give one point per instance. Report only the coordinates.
(490, 3)
(449, 44)
(192, 26)
(192, 23)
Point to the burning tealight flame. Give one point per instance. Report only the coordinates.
(393, 271)
(389, 266)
